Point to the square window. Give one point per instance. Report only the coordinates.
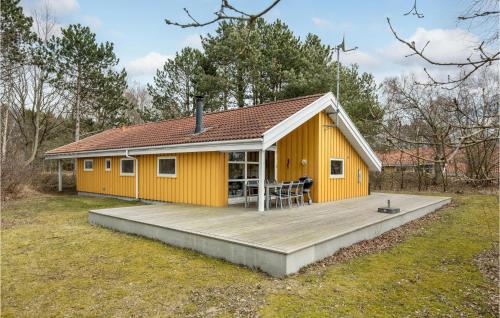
(166, 166)
(127, 167)
(236, 156)
(107, 164)
(235, 189)
(253, 156)
(88, 165)
(336, 168)
(253, 171)
(236, 171)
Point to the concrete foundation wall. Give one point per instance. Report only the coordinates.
(271, 262)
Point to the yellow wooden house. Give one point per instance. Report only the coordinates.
(208, 159)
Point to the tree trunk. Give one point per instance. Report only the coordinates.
(37, 109)
(5, 123)
(77, 107)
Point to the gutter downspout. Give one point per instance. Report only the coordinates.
(136, 166)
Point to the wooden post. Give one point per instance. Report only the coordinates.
(262, 177)
(59, 175)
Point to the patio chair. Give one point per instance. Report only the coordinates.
(294, 192)
(286, 189)
(299, 195)
(276, 195)
(251, 190)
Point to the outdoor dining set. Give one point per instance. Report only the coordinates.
(283, 194)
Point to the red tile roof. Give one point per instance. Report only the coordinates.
(409, 157)
(426, 155)
(236, 124)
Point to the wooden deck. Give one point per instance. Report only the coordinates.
(289, 238)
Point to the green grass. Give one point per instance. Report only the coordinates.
(55, 264)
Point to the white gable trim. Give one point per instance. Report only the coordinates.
(282, 129)
(345, 124)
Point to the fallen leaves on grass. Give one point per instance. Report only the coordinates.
(488, 264)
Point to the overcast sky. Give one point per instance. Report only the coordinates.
(143, 41)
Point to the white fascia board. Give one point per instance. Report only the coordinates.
(222, 146)
(345, 125)
(355, 138)
(282, 129)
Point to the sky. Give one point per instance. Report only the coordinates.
(143, 42)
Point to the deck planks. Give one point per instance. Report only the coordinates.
(286, 230)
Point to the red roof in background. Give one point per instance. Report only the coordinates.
(426, 155)
(235, 124)
(409, 157)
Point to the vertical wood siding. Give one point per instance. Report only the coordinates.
(301, 143)
(317, 142)
(335, 145)
(104, 182)
(201, 179)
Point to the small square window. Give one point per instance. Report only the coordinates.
(236, 156)
(88, 165)
(127, 167)
(166, 166)
(336, 168)
(107, 164)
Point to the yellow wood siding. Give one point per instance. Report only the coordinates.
(201, 178)
(104, 182)
(301, 143)
(333, 144)
(317, 141)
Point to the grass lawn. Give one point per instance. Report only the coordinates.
(55, 264)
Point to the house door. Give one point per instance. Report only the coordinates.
(243, 167)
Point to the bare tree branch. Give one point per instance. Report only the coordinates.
(414, 11)
(222, 14)
(478, 15)
(474, 64)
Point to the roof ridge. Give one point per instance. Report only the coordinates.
(223, 111)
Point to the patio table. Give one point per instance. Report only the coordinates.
(268, 187)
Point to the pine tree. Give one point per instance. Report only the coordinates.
(244, 64)
(176, 85)
(84, 69)
(16, 38)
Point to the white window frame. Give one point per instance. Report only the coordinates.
(105, 167)
(127, 174)
(360, 176)
(166, 175)
(86, 169)
(336, 176)
(245, 163)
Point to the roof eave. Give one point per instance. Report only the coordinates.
(222, 146)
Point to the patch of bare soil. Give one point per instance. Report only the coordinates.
(378, 244)
(488, 264)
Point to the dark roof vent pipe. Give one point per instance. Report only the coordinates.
(199, 115)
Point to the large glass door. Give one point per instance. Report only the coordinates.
(243, 167)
